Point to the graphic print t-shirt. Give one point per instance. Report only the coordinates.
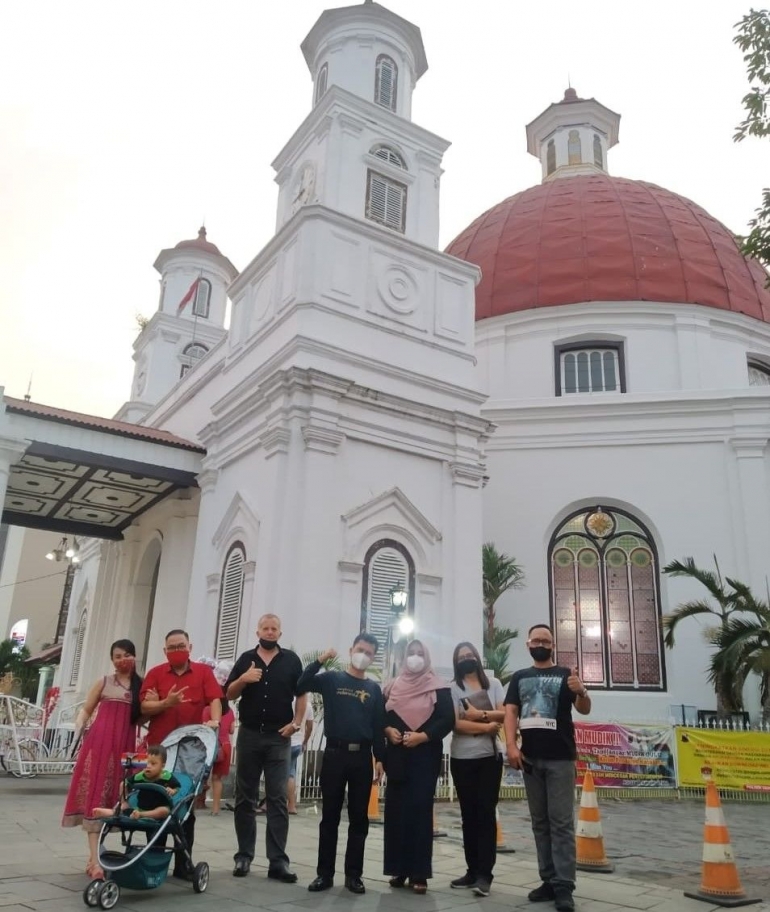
(545, 712)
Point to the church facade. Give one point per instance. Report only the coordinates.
(582, 378)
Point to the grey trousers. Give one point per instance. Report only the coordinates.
(257, 753)
(551, 798)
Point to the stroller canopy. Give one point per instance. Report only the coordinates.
(191, 750)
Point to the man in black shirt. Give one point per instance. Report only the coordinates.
(354, 725)
(265, 679)
(539, 706)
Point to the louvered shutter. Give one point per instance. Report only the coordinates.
(81, 635)
(387, 569)
(385, 83)
(386, 201)
(230, 600)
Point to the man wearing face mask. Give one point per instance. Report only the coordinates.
(175, 694)
(539, 707)
(354, 723)
(265, 680)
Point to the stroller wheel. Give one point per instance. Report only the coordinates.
(109, 894)
(200, 877)
(91, 893)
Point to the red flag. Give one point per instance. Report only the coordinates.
(188, 297)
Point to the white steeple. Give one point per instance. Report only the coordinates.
(573, 136)
(358, 152)
(368, 51)
(189, 321)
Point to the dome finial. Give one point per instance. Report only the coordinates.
(202, 233)
(570, 94)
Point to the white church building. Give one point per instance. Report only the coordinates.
(582, 378)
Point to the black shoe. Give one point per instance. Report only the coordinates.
(543, 893)
(464, 883)
(282, 874)
(482, 887)
(322, 882)
(355, 885)
(242, 866)
(563, 899)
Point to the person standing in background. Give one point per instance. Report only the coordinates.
(299, 742)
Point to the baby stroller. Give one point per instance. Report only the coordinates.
(191, 751)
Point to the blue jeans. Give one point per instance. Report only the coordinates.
(551, 798)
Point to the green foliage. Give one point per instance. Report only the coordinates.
(499, 574)
(753, 38)
(741, 646)
(12, 662)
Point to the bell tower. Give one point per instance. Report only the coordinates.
(189, 321)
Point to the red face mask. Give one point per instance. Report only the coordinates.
(124, 665)
(178, 658)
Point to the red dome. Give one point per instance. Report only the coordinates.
(199, 243)
(602, 238)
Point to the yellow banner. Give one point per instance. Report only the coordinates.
(734, 760)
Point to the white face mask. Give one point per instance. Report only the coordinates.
(360, 661)
(415, 663)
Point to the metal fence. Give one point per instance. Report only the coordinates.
(33, 742)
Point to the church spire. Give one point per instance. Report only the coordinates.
(573, 136)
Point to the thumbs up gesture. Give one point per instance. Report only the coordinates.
(574, 683)
(252, 675)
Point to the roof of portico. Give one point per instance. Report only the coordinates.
(85, 475)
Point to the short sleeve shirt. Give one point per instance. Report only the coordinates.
(202, 690)
(471, 747)
(545, 712)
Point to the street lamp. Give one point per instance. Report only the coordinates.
(65, 551)
(70, 553)
(401, 626)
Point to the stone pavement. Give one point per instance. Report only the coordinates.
(41, 864)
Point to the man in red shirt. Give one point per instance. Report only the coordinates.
(175, 694)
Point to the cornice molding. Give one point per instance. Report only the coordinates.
(322, 439)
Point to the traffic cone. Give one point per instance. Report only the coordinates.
(502, 848)
(589, 848)
(373, 811)
(720, 883)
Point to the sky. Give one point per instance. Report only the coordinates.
(124, 125)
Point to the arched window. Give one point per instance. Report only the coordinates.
(574, 150)
(389, 155)
(550, 157)
(202, 299)
(230, 603)
(598, 154)
(321, 81)
(605, 603)
(385, 201)
(191, 354)
(759, 374)
(590, 367)
(386, 82)
(387, 566)
(80, 636)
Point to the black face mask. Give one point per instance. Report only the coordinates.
(467, 666)
(269, 645)
(541, 653)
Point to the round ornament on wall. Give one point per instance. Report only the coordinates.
(398, 289)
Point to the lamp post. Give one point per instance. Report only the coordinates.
(400, 627)
(65, 551)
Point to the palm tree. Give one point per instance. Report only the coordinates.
(499, 574)
(727, 686)
(743, 648)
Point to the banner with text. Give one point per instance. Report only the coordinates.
(626, 756)
(734, 760)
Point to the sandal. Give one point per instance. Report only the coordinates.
(397, 882)
(419, 887)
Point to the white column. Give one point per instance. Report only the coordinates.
(204, 575)
(755, 502)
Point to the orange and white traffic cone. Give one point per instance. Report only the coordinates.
(589, 841)
(501, 846)
(373, 811)
(720, 883)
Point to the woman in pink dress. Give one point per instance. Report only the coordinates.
(97, 775)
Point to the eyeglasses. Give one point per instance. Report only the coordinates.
(176, 647)
(541, 642)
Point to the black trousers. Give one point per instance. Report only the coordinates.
(340, 769)
(188, 828)
(477, 783)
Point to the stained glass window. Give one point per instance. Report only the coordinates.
(605, 604)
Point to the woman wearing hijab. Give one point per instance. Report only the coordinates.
(419, 715)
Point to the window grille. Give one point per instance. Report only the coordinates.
(79, 638)
(593, 369)
(385, 201)
(202, 299)
(386, 82)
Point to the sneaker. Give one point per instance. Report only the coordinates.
(464, 883)
(563, 899)
(482, 887)
(543, 893)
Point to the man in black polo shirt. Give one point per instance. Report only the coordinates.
(265, 679)
(354, 724)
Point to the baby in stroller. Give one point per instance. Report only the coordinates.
(150, 803)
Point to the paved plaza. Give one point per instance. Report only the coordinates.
(655, 845)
